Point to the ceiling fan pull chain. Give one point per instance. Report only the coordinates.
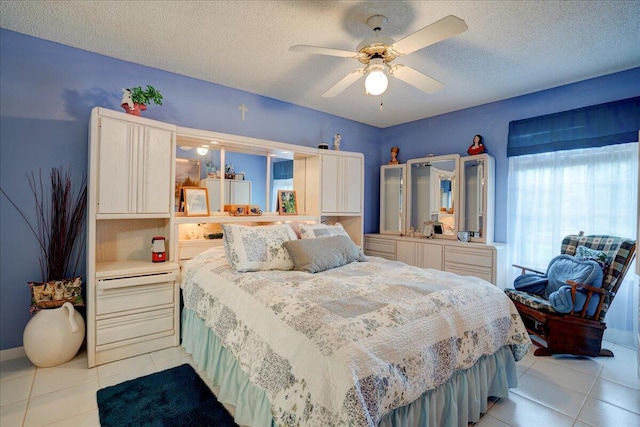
(381, 104)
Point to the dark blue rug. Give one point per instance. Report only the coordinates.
(175, 397)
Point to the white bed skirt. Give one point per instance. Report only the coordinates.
(459, 401)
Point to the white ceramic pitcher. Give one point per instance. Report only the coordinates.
(53, 336)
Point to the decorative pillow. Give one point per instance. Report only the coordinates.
(257, 248)
(308, 231)
(296, 228)
(315, 255)
(584, 253)
(55, 293)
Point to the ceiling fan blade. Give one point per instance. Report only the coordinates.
(448, 26)
(322, 51)
(416, 78)
(347, 81)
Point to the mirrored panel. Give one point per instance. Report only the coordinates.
(473, 189)
(244, 174)
(433, 194)
(392, 198)
(477, 197)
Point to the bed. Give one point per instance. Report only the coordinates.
(370, 342)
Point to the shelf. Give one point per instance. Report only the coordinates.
(216, 219)
(129, 267)
(133, 216)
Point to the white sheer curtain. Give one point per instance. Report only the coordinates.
(554, 194)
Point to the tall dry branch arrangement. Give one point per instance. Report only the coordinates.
(60, 216)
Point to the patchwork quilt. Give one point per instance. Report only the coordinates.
(348, 345)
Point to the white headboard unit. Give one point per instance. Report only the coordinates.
(328, 185)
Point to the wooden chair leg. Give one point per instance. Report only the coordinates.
(605, 353)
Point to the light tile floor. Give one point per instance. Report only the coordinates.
(552, 391)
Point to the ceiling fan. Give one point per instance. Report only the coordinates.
(377, 54)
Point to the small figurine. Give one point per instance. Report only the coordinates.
(477, 147)
(336, 142)
(394, 156)
(126, 98)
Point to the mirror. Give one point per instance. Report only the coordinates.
(392, 198)
(477, 197)
(245, 174)
(257, 168)
(246, 179)
(432, 190)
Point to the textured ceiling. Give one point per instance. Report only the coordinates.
(511, 47)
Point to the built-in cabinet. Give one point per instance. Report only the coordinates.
(135, 167)
(132, 303)
(486, 261)
(457, 194)
(331, 186)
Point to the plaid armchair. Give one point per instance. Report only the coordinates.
(576, 333)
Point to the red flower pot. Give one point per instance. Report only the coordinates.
(135, 110)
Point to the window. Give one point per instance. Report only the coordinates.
(593, 190)
(574, 171)
(282, 180)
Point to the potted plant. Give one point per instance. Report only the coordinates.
(136, 99)
(53, 336)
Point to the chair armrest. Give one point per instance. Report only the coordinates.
(589, 288)
(525, 269)
(590, 291)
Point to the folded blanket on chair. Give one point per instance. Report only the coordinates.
(561, 301)
(553, 285)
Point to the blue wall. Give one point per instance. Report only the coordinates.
(47, 92)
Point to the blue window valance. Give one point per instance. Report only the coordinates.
(611, 123)
(283, 170)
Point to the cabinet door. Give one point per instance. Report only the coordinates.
(341, 184)
(134, 168)
(406, 252)
(423, 255)
(116, 164)
(351, 184)
(430, 256)
(154, 176)
(330, 184)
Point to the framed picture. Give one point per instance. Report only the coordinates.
(187, 175)
(196, 201)
(254, 210)
(287, 202)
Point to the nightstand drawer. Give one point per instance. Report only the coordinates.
(116, 295)
(469, 270)
(385, 248)
(471, 256)
(136, 325)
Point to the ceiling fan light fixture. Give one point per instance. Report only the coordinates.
(376, 82)
(202, 151)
